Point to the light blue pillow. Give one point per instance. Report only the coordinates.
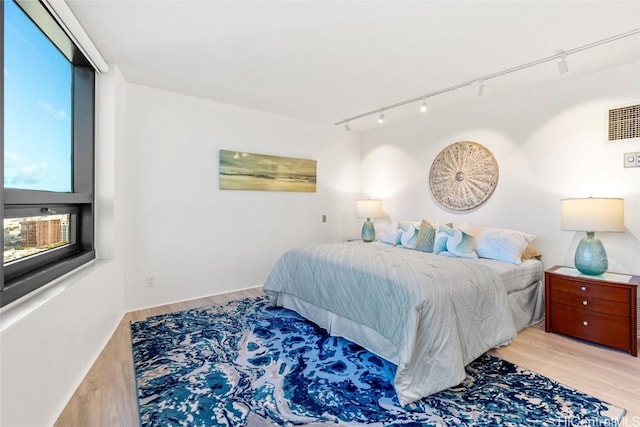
(454, 241)
(391, 237)
(443, 232)
(404, 224)
(461, 244)
(408, 238)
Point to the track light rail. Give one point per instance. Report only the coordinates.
(561, 55)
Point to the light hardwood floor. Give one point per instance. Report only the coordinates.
(107, 395)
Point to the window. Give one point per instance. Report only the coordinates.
(47, 146)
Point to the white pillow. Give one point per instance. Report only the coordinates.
(502, 244)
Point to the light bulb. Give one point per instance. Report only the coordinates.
(423, 107)
(381, 118)
(563, 68)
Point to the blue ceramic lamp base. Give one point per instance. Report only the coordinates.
(591, 258)
(368, 231)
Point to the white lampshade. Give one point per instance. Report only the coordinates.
(369, 208)
(593, 214)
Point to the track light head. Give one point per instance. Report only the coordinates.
(381, 118)
(563, 68)
(423, 107)
(347, 127)
(481, 86)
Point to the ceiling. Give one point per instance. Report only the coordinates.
(324, 61)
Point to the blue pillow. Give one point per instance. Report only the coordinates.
(408, 237)
(443, 232)
(391, 237)
(454, 241)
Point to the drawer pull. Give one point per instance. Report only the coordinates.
(583, 288)
(585, 303)
(585, 323)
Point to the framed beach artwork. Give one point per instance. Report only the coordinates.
(260, 172)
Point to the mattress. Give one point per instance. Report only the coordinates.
(358, 291)
(515, 277)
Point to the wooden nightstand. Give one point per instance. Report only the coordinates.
(600, 309)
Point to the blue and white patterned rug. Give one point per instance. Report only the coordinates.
(248, 364)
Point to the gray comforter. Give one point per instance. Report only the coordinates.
(440, 313)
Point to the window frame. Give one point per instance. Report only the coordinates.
(38, 270)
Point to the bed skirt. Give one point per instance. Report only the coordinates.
(527, 308)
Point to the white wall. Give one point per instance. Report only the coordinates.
(49, 341)
(198, 240)
(549, 142)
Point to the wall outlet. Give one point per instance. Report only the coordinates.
(150, 281)
(324, 218)
(632, 160)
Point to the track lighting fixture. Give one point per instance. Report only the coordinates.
(347, 127)
(563, 68)
(423, 107)
(481, 86)
(559, 57)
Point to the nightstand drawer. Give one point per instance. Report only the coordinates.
(587, 302)
(594, 290)
(612, 331)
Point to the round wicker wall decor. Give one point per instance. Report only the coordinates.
(463, 175)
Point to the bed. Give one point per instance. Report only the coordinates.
(429, 314)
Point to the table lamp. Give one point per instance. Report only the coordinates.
(591, 215)
(368, 209)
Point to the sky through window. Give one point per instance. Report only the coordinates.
(37, 107)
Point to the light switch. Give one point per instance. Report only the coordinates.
(631, 160)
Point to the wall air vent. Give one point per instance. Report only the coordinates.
(623, 123)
